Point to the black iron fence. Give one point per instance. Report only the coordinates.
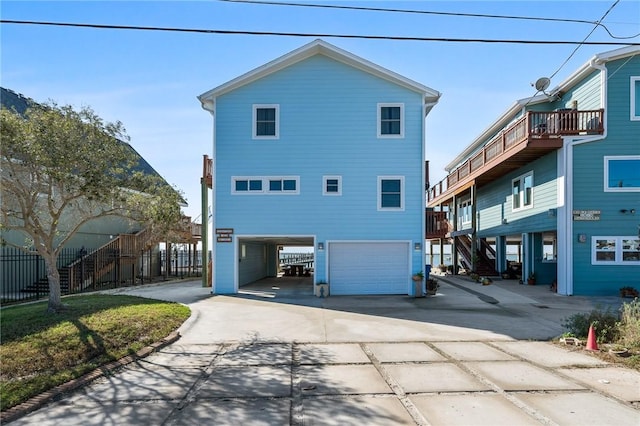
(23, 275)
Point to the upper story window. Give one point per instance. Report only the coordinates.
(464, 214)
(248, 185)
(391, 120)
(635, 98)
(265, 185)
(522, 191)
(283, 185)
(266, 121)
(622, 173)
(390, 192)
(332, 185)
(615, 250)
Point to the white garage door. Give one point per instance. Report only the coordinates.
(369, 268)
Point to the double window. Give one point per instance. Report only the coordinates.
(615, 250)
(391, 193)
(265, 185)
(390, 120)
(622, 173)
(522, 192)
(266, 121)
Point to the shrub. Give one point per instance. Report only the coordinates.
(604, 324)
(629, 326)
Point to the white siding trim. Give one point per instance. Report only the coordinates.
(607, 158)
(324, 186)
(265, 185)
(634, 109)
(379, 120)
(402, 193)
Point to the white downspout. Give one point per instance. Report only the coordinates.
(564, 219)
(210, 106)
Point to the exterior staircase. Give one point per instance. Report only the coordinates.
(485, 256)
(105, 262)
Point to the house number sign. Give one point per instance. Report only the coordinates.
(224, 235)
(586, 215)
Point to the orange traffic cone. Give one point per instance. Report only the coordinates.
(592, 345)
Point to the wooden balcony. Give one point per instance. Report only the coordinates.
(437, 225)
(527, 139)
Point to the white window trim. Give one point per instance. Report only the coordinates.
(634, 109)
(521, 193)
(265, 185)
(606, 173)
(618, 251)
(255, 117)
(402, 192)
(379, 121)
(324, 186)
(460, 212)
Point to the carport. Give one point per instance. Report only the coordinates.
(259, 262)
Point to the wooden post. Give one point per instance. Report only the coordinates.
(206, 182)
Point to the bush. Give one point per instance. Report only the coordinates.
(629, 326)
(604, 324)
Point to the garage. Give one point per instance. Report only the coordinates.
(369, 268)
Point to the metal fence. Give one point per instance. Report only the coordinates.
(23, 275)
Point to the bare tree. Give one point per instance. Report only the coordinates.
(61, 168)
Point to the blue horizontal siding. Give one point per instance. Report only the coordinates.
(328, 126)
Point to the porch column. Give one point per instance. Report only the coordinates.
(501, 253)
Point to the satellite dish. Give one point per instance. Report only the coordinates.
(542, 84)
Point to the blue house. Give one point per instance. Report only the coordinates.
(323, 149)
(551, 190)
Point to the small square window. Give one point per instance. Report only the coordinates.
(275, 185)
(255, 185)
(332, 185)
(242, 185)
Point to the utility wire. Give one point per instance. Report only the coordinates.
(425, 12)
(585, 39)
(317, 35)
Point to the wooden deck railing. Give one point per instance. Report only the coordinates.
(437, 225)
(534, 126)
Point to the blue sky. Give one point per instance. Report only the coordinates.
(150, 80)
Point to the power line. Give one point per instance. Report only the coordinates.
(316, 35)
(425, 12)
(585, 39)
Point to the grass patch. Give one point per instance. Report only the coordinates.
(40, 350)
(613, 330)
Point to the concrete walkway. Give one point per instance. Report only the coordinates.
(276, 355)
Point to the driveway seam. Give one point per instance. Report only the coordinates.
(395, 387)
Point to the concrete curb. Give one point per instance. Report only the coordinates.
(38, 401)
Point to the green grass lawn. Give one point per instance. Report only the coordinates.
(40, 350)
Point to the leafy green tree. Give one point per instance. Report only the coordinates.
(61, 168)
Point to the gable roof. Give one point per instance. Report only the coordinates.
(577, 76)
(319, 47)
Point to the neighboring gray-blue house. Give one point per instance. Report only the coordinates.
(557, 178)
(320, 148)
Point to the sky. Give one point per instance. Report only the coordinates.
(149, 80)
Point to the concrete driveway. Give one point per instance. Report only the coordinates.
(276, 355)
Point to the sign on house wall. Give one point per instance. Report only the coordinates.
(224, 235)
(586, 215)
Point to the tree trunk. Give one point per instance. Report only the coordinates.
(53, 276)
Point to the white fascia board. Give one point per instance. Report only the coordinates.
(314, 48)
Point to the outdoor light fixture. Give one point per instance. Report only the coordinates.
(320, 246)
(417, 246)
(630, 211)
